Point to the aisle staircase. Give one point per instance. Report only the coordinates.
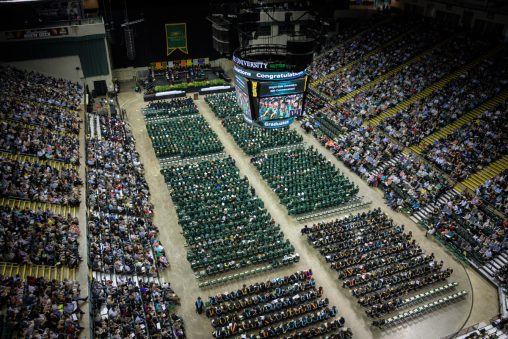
(47, 272)
(478, 178)
(429, 90)
(466, 118)
(363, 57)
(389, 73)
(34, 206)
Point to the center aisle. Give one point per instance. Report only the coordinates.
(185, 284)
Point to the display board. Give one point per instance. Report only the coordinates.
(270, 99)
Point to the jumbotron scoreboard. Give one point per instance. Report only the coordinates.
(270, 93)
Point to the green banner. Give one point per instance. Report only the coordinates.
(176, 38)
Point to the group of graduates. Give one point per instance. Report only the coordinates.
(170, 108)
(276, 308)
(375, 259)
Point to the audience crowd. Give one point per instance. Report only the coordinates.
(40, 308)
(40, 88)
(41, 114)
(39, 142)
(388, 57)
(468, 227)
(351, 50)
(39, 182)
(411, 79)
(122, 237)
(473, 146)
(284, 307)
(495, 192)
(375, 259)
(38, 238)
(135, 309)
(224, 223)
(423, 117)
(304, 180)
(183, 137)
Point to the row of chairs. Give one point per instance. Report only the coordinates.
(287, 260)
(418, 311)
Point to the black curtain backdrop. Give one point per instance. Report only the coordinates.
(150, 35)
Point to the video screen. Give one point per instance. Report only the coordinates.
(280, 107)
(270, 89)
(243, 102)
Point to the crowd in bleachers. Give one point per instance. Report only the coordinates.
(423, 117)
(35, 113)
(388, 57)
(40, 308)
(353, 49)
(183, 137)
(40, 88)
(473, 146)
(38, 141)
(170, 108)
(411, 79)
(39, 182)
(138, 309)
(122, 237)
(285, 307)
(375, 259)
(304, 180)
(223, 104)
(468, 227)
(38, 237)
(224, 223)
(495, 192)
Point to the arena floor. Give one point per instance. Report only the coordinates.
(481, 303)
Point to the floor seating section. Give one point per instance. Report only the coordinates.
(254, 140)
(284, 307)
(224, 223)
(376, 261)
(26, 301)
(137, 308)
(183, 137)
(223, 104)
(169, 108)
(121, 234)
(304, 180)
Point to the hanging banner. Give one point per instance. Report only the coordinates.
(170, 64)
(189, 62)
(195, 62)
(176, 38)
